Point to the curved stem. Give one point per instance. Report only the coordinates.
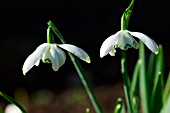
(80, 72)
(126, 82)
(86, 84)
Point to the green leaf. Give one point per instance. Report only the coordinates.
(166, 107)
(13, 102)
(157, 91)
(156, 96)
(134, 88)
(119, 106)
(151, 72)
(160, 61)
(166, 90)
(135, 79)
(151, 66)
(143, 80)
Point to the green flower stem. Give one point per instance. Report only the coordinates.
(126, 16)
(13, 102)
(126, 82)
(86, 84)
(80, 72)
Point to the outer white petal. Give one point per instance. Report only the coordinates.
(76, 51)
(108, 44)
(61, 55)
(112, 52)
(34, 58)
(146, 40)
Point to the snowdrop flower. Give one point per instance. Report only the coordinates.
(11, 108)
(123, 39)
(51, 53)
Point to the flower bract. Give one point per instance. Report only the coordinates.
(52, 53)
(123, 39)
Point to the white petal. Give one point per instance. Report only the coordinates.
(60, 54)
(108, 44)
(37, 63)
(34, 58)
(112, 52)
(76, 51)
(146, 40)
(54, 59)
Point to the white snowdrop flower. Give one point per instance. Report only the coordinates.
(51, 53)
(123, 39)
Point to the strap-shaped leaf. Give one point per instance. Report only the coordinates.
(143, 81)
(156, 96)
(157, 91)
(166, 107)
(166, 90)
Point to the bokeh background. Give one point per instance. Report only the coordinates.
(84, 23)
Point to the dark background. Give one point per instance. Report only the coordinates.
(84, 23)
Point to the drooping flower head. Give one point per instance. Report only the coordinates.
(123, 39)
(52, 53)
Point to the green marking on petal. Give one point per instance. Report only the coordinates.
(116, 46)
(127, 46)
(47, 60)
